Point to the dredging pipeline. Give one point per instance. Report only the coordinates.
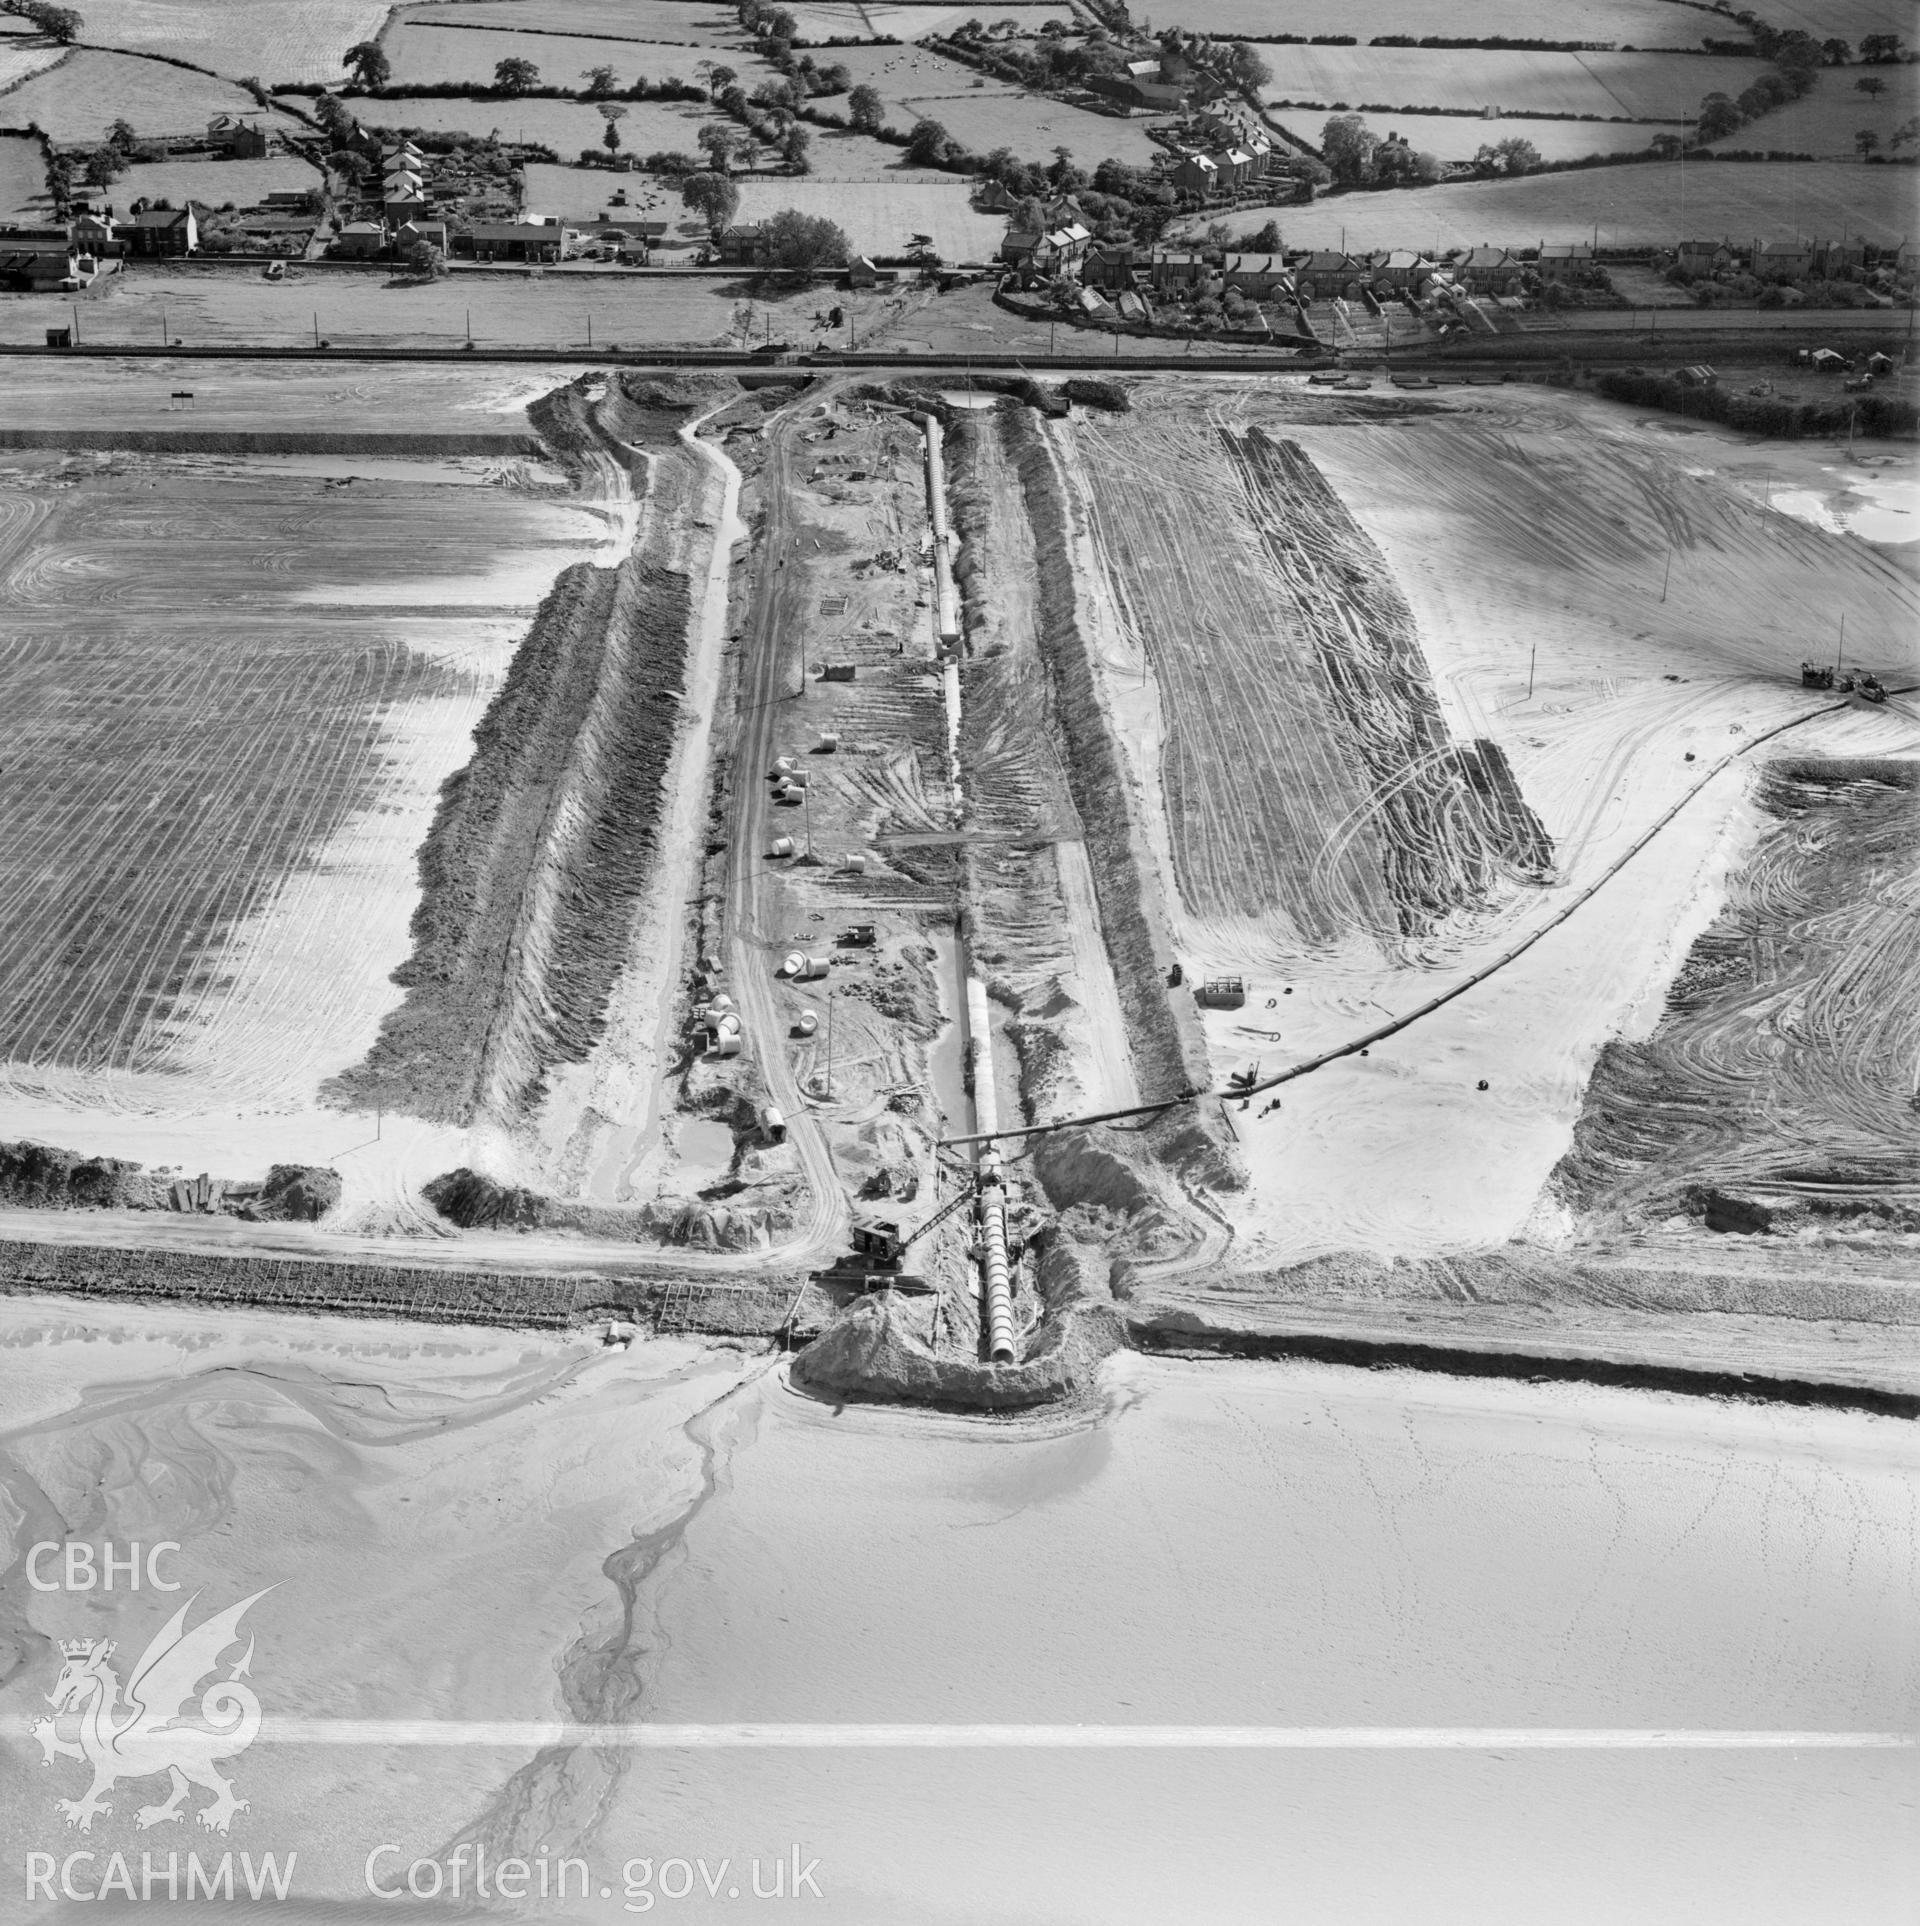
(946, 597)
(990, 1197)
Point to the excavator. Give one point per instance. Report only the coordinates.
(880, 1250)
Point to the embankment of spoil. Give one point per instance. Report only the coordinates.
(1180, 1335)
(1451, 820)
(1166, 1040)
(519, 1299)
(504, 442)
(747, 1220)
(541, 848)
(1737, 1320)
(43, 1177)
(1777, 1092)
(871, 1350)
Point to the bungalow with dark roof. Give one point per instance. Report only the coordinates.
(534, 241)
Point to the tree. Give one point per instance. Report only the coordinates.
(720, 80)
(103, 167)
(1667, 146)
(57, 23)
(793, 148)
(1348, 143)
(719, 144)
(516, 77)
(929, 144)
(336, 122)
(601, 81)
(424, 259)
(1248, 70)
(713, 197)
(1718, 116)
(1866, 141)
(865, 109)
(1427, 168)
(1906, 134)
(367, 61)
(122, 137)
(613, 116)
(1836, 52)
(796, 240)
(1881, 49)
(1508, 157)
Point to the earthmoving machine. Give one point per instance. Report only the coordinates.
(878, 1258)
(1861, 682)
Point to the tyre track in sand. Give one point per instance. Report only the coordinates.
(760, 695)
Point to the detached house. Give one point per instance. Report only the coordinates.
(160, 231)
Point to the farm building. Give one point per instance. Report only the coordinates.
(1016, 249)
(1840, 257)
(743, 246)
(515, 241)
(161, 230)
(34, 266)
(1699, 375)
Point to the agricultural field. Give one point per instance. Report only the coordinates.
(270, 39)
(23, 182)
(1633, 86)
(880, 220)
(567, 126)
(1825, 121)
(84, 95)
(1454, 137)
(434, 55)
(21, 58)
(819, 20)
(916, 85)
(1626, 23)
(1645, 202)
(1851, 19)
(837, 156)
(581, 193)
(216, 184)
(696, 23)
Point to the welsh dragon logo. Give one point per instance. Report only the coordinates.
(137, 1732)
